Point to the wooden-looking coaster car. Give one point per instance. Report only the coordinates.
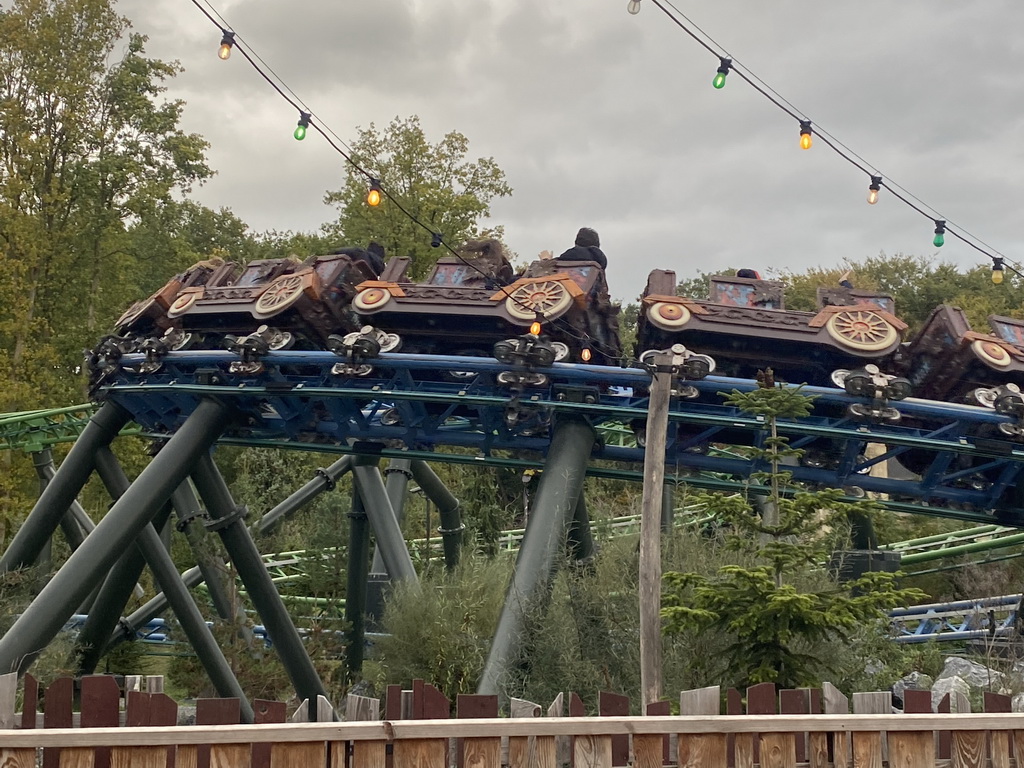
(148, 317)
(947, 360)
(745, 327)
(298, 302)
(469, 302)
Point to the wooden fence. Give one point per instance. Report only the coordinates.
(815, 730)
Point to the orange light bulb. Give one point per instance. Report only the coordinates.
(535, 328)
(373, 197)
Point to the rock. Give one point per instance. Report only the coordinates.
(186, 715)
(1017, 704)
(952, 686)
(915, 681)
(974, 674)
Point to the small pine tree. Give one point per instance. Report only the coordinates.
(778, 626)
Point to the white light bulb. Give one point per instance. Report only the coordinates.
(633, 7)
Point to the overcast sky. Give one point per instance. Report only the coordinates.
(604, 119)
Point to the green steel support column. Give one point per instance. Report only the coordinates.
(396, 483)
(75, 523)
(227, 519)
(553, 508)
(188, 510)
(325, 480)
(451, 526)
(55, 501)
(389, 537)
(581, 538)
(149, 611)
(105, 610)
(89, 564)
(166, 576)
(355, 592)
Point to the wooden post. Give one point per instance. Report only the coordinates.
(650, 531)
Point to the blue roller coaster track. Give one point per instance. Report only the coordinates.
(404, 409)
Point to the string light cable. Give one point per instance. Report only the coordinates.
(308, 120)
(876, 178)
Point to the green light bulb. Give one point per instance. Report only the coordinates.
(719, 81)
(300, 132)
(939, 240)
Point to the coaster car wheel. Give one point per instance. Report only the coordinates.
(279, 295)
(548, 298)
(183, 304)
(668, 316)
(862, 330)
(991, 353)
(371, 299)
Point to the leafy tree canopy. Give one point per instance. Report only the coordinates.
(435, 183)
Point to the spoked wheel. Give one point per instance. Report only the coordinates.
(548, 298)
(861, 329)
(281, 294)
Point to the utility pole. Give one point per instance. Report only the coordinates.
(650, 529)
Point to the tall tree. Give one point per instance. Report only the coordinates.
(778, 628)
(435, 183)
(86, 144)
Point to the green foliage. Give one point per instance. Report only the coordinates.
(777, 627)
(432, 182)
(440, 631)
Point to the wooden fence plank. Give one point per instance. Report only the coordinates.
(77, 757)
(469, 706)
(778, 750)
(57, 713)
(362, 708)
(227, 756)
(943, 736)
(101, 707)
(8, 698)
(142, 757)
(663, 708)
(867, 749)
(911, 749)
(186, 756)
(481, 753)
(592, 752)
(266, 711)
(797, 702)
(705, 750)
(307, 754)
(871, 703)
(365, 754)
(834, 702)
(968, 749)
(216, 712)
(29, 701)
(615, 704)
(998, 741)
(546, 751)
(648, 751)
(562, 743)
(420, 753)
(18, 758)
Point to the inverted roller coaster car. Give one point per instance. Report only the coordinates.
(470, 302)
(745, 327)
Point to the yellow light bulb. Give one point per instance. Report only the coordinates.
(225, 52)
(805, 141)
(373, 197)
(535, 328)
(585, 355)
(997, 276)
(872, 196)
